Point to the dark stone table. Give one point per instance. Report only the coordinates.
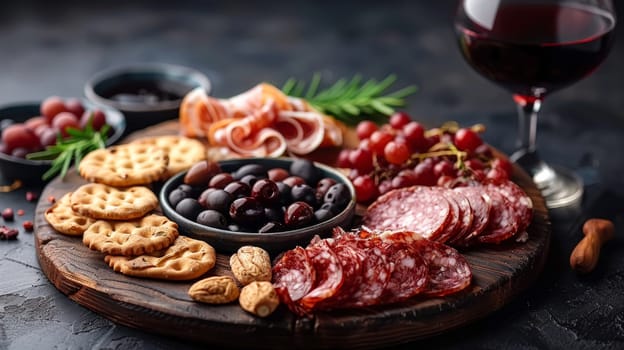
(53, 48)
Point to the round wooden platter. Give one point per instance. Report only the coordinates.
(500, 273)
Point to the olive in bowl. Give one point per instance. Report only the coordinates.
(31, 126)
(273, 203)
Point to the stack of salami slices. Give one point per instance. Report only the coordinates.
(491, 212)
(363, 269)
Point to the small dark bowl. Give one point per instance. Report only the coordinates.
(229, 241)
(30, 171)
(146, 94)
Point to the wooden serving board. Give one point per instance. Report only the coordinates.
(500, 273)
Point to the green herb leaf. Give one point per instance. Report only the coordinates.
(352, 100)
(71, 149)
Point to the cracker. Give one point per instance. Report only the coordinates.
(186, 259)
(101, 201)
(182, 151)
(131, 238)
(65, 220)
(124, 165)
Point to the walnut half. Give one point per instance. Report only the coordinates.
(250, 264)
(214, 290)
(259, 298)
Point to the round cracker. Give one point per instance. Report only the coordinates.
(65, 220)
(186, 259)
(182, 151)
(101, 201)
(131, 238)
(124, 165)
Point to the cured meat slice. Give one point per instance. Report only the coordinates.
(503, 222)
(329, 277)
(351, 259)
(375, 273)
(448, 271)
(293, 278)
(456, 214)
(420, 209)
(409, 273)
(520, 202)
(480, 203)
(303, 130)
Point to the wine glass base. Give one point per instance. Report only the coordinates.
(564, 189)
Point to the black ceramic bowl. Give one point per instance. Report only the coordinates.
(30, 171)
(147, 93)
(229, 241)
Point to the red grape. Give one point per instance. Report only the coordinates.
(19, 136)
(365, 189)
(74, 105)
(97, 117)
(445, 180)
(35, 122)
(414, 134)
(496, 174)
(362, 160)
(503, 164)
(52, 106)
(48, 137)
(396, 152)
(443, 167)
(378, 141)
(64, 121)
(467, 140)
(20, 152)
(424, 173)
(343, 159)
(401, 182)
(385, 186)
(399, 120)
(365, 128)
(474, 164)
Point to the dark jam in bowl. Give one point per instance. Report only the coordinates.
(146, 92)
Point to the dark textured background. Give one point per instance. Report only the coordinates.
(52, 49)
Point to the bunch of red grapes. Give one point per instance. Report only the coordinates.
(56, 118)
(403, 153)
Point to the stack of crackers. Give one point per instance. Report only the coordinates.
(114, 213)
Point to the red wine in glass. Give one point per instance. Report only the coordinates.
(533, 48)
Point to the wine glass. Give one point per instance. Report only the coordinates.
(533, 48)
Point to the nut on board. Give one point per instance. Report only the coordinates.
(250, 264)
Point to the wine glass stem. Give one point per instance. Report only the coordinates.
(526, 155)
(527, 124)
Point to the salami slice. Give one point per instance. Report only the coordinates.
(454, 224)
(421, 209)
(480, 203)
(448, 271)
(503, 221)
(351, 259)
(293, 278)
(374, 276)
(329, 275)
(409, 273)
(520, 203)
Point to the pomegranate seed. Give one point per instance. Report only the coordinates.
(8, 233)
(28, 225)
(7, 214)
(20, 212)
(51, 199)
(31, 196)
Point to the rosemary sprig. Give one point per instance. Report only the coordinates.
(71, 149)
(352, 100)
